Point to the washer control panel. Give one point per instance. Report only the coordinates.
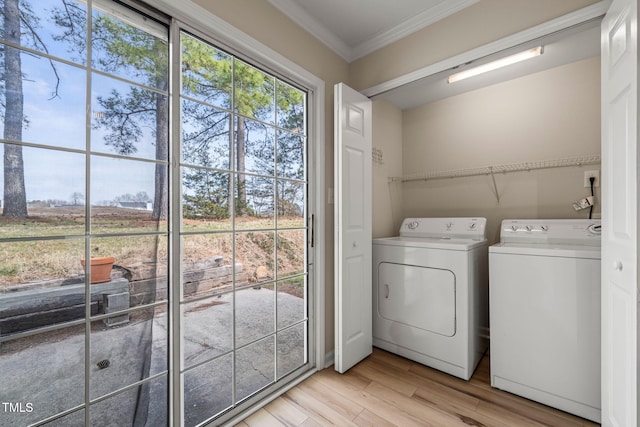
(446, 228)
(560, 231)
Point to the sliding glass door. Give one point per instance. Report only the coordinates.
(145, 232)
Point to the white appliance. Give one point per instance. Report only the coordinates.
(544, 283)
(430, 293)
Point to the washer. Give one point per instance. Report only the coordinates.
(544, 282)
(430, 293)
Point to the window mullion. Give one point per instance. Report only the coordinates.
(176, 394)
(87, 209)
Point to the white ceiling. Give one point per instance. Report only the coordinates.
(355, 28)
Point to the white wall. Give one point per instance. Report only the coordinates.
(550, 115)
(387, 196)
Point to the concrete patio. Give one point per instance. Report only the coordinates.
(49, 373)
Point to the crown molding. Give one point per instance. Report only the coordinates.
(300, 16)
(410, 26)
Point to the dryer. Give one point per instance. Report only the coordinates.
(544, 282)
(430, 293)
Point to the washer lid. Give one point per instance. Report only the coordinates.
(551, 231)
(547, 250)
(451, 244)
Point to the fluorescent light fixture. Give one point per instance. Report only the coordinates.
(499, 63)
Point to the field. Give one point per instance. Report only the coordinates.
(49, 244)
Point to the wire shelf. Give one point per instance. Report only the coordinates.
(491, 170)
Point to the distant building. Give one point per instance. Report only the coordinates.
(143, 206)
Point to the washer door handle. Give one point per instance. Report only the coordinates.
(386, 290)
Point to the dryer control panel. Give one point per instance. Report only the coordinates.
(445, 228)
(558, 231)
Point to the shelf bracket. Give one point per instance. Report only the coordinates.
(495, 186)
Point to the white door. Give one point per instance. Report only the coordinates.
(619, 215)
(353, 316)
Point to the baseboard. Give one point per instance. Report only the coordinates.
(329, 359)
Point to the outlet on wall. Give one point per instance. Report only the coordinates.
(589, 174)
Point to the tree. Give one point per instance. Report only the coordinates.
(254, 92)
(140, 196)
(17, 20)
(209, 75)
(120, 47)
(291, 151)
(15, 198)
(76, 198)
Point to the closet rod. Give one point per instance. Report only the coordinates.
(491, 170)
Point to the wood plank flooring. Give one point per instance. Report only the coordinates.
(388, 390)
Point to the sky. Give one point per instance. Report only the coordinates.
(60, 121)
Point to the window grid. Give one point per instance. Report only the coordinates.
(89, 236)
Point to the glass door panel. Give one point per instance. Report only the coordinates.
(243, 223)
(77, 346)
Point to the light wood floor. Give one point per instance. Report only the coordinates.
(388, 390)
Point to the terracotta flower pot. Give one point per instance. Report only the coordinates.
(100, 268)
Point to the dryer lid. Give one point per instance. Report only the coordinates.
(450, 244)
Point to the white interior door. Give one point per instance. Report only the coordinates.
(620, 215)
(353, 291)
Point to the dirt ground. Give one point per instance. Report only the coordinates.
(136, 246)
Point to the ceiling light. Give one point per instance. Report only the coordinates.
(502, 62)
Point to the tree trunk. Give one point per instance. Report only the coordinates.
(161, 196)
(240, 158)
(15, 198)
(231, 182)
